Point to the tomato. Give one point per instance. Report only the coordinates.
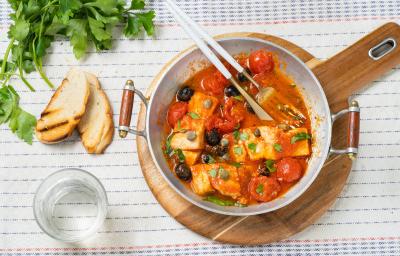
(214, 83)
(264, 188)
(175, 112)
(289, 170)
(234, 110)
(223, 126)
(261, 61)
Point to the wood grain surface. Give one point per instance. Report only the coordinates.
(309, 207)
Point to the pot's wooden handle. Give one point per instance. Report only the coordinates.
(354, 127)
(353, 68)
(125, 113)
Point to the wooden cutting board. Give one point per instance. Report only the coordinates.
(340, 76)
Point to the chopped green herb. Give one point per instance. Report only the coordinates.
(218, 201)
(180, 155)
(278, 147)
(237, 126)
(260, 188)
(300, 136)
(244, 136)
(237, 165)
(213, 173)
(237, 150)
(168, 148)
(223, 174)
(194, 115)
(270, 164)
(238, 97)
(236, 134)
(179, 124)
(252, 147)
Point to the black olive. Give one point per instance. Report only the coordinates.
(183, 172)
(231, 91)
(249, 108)
(221, 150)
(205, 158)
(185, 93)
(218, 150)
(242, 78)
(263, 170)
(213, 137)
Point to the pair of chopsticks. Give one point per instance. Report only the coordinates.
(200, 37)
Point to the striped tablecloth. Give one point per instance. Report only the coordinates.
(364, 220)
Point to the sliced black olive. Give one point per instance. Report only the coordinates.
(242, 78)
(213, 137)
(205, 158)
(231, 91)
(263, 170)
(185, 93)
(257, 132)
(183, 172)
(249, 108)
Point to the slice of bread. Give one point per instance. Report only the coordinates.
(65, 109)
(97, 126)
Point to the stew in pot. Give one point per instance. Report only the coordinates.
(216, 145)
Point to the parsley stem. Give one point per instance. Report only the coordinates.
(4, 64)
(43, 75)
(21, 75)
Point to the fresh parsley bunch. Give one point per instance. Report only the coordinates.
(36, 23)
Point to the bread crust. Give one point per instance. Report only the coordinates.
(96, 127)
(55, 123)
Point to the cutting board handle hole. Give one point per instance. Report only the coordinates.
(382, 49)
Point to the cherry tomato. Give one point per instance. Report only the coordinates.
(234, 110)
(264, 188)
(214, 83)
(223, 126)
(175, 112)
(261, 61)
(289, 170)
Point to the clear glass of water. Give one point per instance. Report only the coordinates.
(70, 205)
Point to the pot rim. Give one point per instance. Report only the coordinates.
(323, 155)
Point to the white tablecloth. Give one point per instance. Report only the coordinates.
(364, 220)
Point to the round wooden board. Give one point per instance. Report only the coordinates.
(259, 229)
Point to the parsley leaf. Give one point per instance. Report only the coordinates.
(137, 5)
(218, 201)
(278, 147)
(181, 156)
(8, 101)
(252, 147)
(20, 30)
(22, 123)
(300, 136)
(260, 188)
(270, 164)
(193, 115)
(237, 165)
(77, 32)
(236, 134)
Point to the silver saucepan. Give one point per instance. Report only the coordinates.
(380, 51)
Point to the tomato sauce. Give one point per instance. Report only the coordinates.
(226, 144)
